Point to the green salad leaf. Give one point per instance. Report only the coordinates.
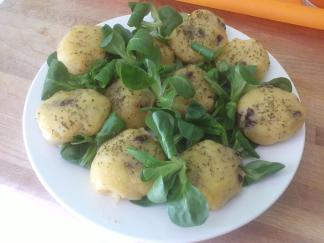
(259, 169)
(166, 19)
(159, 191)
(144, 202)
(281, 82)
(142, 44)
(207, 53)
(182, 86)
(51, 57)
(170, 19)
(80, 153)
(114, 43)
(237, 83)
(153, 72)
(212, 78)
(190, 131)
(243, 144)
(57, 78)
(139, 11)
(146, 159)
(162, 124)
(106, 74)
(166, 70)
(199, 116)
(166, 100)
(106, 30)
(132, 76)
(248, 73)
(187, 206)
(222, 66)
(125, 33)
(82, 149)
(112, 126)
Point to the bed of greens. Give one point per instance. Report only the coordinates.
(133, 54)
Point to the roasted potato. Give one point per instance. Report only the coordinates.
(249, 52)
(167, 55)
(128, 103)
(204, 93)
(201, 26)
(69, 113)
(80, 47)
(115, 171)
(214, 170)
(268, 115)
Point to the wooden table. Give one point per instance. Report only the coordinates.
(31, 29)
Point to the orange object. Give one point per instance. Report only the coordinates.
(283, 11)
(318, 3)
(292, 1)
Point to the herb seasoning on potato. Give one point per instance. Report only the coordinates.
(114, 170)
(214, 169)
(201, 26)
(80, 48)
(203, 92)
(269, 115)
(249, 52)
(128, 103)
(69, 113)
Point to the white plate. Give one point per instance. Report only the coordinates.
(70, 185)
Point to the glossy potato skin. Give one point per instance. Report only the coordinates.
(114, 171)
(214, 170)
(70, 113)
(128, 103)
(249, 52)
(80, 47)
(201, 26)
(167, 54)
(204, 94)
(268, 115)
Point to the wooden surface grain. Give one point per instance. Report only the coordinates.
(31, 29)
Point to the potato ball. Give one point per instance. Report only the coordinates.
(214, 170)
(204, 93)
(202, 27)
(115, 171)
(128, 103)
(80, 48)
(70, 113)
(249, 52)
(268, 115)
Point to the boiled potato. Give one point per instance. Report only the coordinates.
(167, 55)
(80, 48)
(249, 52)
(70, 113)
(268, 115)
(115, 171)
(201, 26)
(214, 170)
(204, 93)
(128, 103)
